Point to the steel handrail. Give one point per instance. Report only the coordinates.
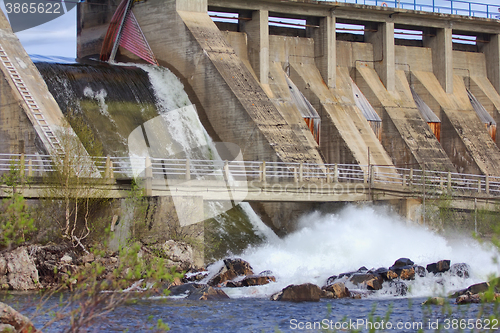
(273, 171)
(456, 7)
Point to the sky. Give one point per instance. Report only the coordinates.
(58, 37)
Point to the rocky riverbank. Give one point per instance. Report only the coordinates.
(54, 266)
(36, 267)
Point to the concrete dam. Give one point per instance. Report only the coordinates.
(242, 76)
(310, 91)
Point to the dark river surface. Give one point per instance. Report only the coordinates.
(263, 315)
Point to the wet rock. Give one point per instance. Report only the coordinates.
(379, 271)
(435, 301)
(257, 280)
(195, 291)
(306, 292)
(371, 281)
(439, 267)
(420, 271)
(461, 270)
(390, 275)
(385, 273)
(362, 269)
(21, 324)
(183, 289)
(359, 294)
(331, 280)
(207, 293)
(407, 273)
(338, 290)
(194, 276)
(21, 270)
(401, 262)
(473, 289)
(398, 288)
(232, 269)
(476, 298)
(468, 298)
(234, 284)
(346, 275)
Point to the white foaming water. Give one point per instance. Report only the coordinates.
(330, 244)
(185, 136)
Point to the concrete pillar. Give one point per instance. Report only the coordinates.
(257, 31)
(200, 6)
(491, 50)
(441, 44)
(325, 44)
(383, 53)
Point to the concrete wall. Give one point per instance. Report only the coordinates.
(17, 134)
(19, 129)
(234, 102)
(405, 135)
(463, 136)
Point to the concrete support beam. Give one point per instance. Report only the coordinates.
(257, 31)
(491, 51)
(383, 53)
(325, 53)
(441, 44)
(200, 6)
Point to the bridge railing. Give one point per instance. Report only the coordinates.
(456, 7)
(426, 181)
(438, 181)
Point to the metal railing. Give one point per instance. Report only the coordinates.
(456, 7)
(415, 180)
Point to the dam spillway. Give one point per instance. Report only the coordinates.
(243, 63)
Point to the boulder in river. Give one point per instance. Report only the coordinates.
(407, 273)
(439, 267)
(403, 262)
(420, 271)
(306, 292)
(371, 281)
(435, 301)
(232, 268)
(207, 293)
(397, 288)
(338, 290)
(195, 291)
(473, 289)
(9, 316)
(257, 280)
(331, 280)
(461, 270)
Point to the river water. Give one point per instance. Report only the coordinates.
(262, 315)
